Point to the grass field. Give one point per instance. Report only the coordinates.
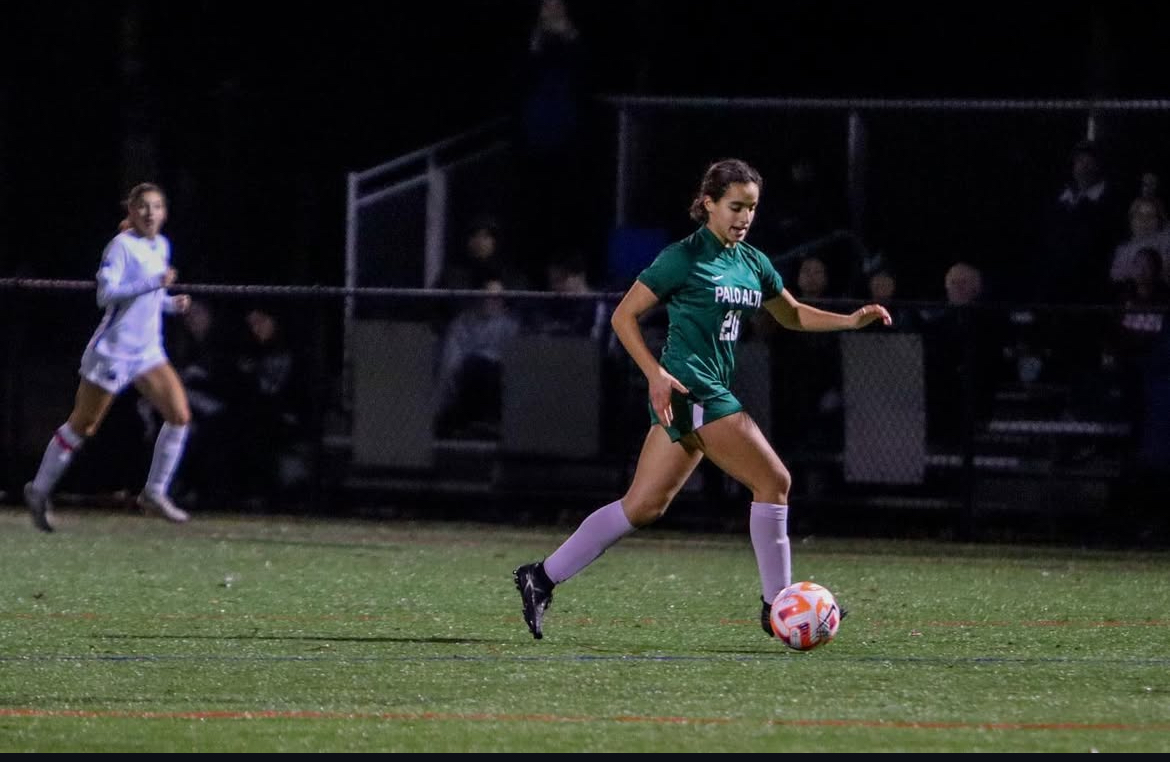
(120, 633)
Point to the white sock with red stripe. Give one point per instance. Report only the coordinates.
(58, 455)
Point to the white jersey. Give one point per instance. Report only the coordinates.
(129, 286)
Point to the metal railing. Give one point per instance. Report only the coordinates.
(384, 190)
(856, 113)
(874, 424)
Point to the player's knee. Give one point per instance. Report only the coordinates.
(774, 489)
(179, 418)
(643, 510)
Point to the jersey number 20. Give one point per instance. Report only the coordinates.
(730, 328)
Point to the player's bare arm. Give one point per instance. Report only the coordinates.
(637, 301)
(798, 316)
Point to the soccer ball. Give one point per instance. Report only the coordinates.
(805, 615)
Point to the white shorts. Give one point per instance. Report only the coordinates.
(115, 374)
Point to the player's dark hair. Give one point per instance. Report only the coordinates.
(718, 178)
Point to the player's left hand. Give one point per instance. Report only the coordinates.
(871, 312)
(182, 303)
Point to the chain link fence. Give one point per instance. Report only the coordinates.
(976, 422)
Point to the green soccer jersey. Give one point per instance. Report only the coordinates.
(709, 290)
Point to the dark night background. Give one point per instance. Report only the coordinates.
(251, 115)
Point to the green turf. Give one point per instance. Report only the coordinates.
(120, 633)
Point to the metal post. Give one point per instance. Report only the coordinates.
(436, 232)
(351, 234)
(351, 282)
(623, 167)
(857, 157)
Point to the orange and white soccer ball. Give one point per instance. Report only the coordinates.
(805, 615)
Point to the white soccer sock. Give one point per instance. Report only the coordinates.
(769, 530)
(168, 449)
(58, 455)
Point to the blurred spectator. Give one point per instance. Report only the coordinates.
(1147, 228)
(804, 208)
(1150, 188)
(1145, 299)
(481, 259)
(555, 85)
(469, 367)
(273, 408)
(812, 414)
(1153, 482)
(1147, 286)
(198, 352)
(963, 284)
(1081, 227)
(963, 355)
(882, 285)
(571, 317)
(882, 288)
(812, 279)
(550, 186)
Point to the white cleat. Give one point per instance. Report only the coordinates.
(161, 505)
(40, 508)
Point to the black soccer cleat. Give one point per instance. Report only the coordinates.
(766, 617)
(535, 594)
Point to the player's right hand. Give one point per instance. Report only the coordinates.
(169, 277)
(662, 388)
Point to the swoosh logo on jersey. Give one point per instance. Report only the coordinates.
(716, 277)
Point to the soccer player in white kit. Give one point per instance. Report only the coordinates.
(126, 348)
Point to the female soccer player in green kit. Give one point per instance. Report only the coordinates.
(711, 282)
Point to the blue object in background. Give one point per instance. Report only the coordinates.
(631, 250)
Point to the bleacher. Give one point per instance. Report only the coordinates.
(1030, 459)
